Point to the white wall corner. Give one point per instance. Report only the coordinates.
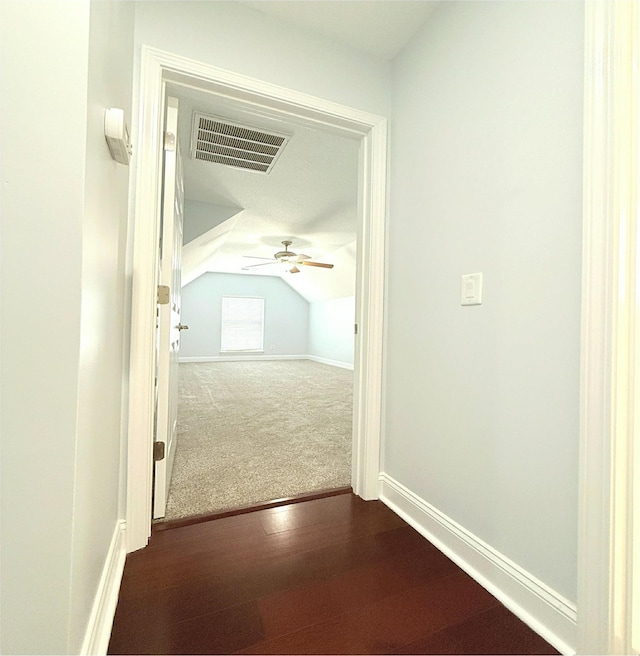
(98, 633)
(544, 610)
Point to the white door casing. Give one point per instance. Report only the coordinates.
(609, 521)
(169, 325)
(157, 67)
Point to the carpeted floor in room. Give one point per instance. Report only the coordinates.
(253, 431)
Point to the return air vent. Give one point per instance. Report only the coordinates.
(220, 142)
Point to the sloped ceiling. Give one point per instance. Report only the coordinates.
(310, 198)
(311, 194)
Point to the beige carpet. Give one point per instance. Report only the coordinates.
(249, 432)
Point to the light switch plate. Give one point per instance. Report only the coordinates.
(471, 289)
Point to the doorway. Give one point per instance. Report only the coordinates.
(265, 410)
(158, 68)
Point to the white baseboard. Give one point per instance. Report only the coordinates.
(96, 639)
(333, 363)
(241, 358)
(238, 358)
(548, 613)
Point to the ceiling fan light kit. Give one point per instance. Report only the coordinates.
(288, 258)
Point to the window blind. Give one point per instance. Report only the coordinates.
(242, 324)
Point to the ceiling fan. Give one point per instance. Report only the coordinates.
(287, 258)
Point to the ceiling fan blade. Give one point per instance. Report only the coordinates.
(253, 257)
(316, 264)
(302, 257)
(253, 266)
(294, 270)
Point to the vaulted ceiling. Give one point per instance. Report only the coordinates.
(231, 214)
(310, 195)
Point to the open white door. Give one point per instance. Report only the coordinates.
(169, 326)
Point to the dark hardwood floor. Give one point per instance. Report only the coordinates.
(336, 575)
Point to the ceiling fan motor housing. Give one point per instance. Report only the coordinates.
(286, 255)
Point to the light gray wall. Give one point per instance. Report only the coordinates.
(103, 351)
(63, 210)
(240, 39)
(42, 206)
(331, 329)
(486, 151)
(286, 313)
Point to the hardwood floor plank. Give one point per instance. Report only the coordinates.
(231, 628)
(294, 609)
(383, 626)
(202, 530)
(192, 598)
(493, 631)
(347, 509)
(209, 555)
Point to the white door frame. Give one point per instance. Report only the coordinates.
(609, 526)
(157, 67)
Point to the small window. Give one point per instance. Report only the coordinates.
(242, 324)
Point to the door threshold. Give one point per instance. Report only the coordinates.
(160, 525)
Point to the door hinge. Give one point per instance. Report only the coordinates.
(169, 141)
(164, 294)
(355, 329)
(158, 451)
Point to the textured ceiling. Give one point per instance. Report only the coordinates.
(310, 196)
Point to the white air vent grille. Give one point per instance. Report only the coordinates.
(218, 141)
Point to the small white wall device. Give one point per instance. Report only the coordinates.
(116, 132)
(471, 289)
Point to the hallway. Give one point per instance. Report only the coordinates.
(332, 575)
